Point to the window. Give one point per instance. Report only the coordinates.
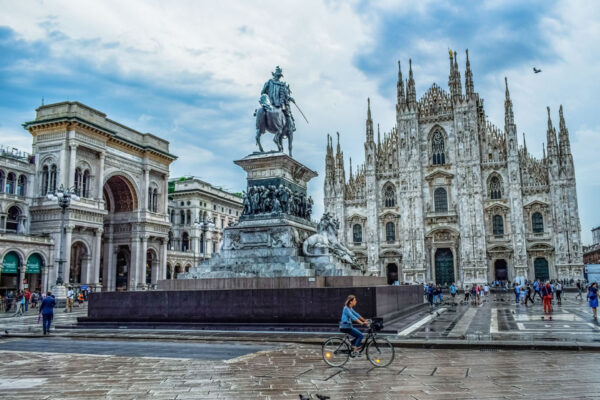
(155, 200)
(182, 217)
(172, 216)
(357, 233)
(149, 199)
(78, 181)
(537, 223)
(437, 149)
(389, 196)
(498, 225)
(390, 232)
(10, 183)
(188, 220)
(21, 185)
(52, 182)
(214, 247)
(495, 188)
(185, 242)
(12, 219)
(440, 198)
(2, 179)
(85, 190)
(222, 222)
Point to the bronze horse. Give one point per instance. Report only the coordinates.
(272, 119)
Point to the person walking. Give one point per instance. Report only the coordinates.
(453, 292)
(69, 305)
(536, 289)
(47, 311)
(20, 304)
(558, 291)
(467, 294)
(547, 298)
(579, 290)
(593, 298)
(517, 290)
(9, 300)
(528, 292)
(27, 295)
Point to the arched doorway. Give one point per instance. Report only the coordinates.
(122, 269)
(120, 200)
(500, 270)
(13, 218)
(178, 270)
(35, 263)
(11, 267)
(79, 255)
(392, 273)
(169, 272)
(540, 267)
(444, 267)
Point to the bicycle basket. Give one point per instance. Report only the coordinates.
(377, 324)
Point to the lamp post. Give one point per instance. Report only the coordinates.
(63, 196)
(204, 225)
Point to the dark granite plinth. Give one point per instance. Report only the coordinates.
(297, 305)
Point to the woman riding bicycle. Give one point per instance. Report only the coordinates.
(349, 316)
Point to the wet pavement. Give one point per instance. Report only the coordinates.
(292, 370)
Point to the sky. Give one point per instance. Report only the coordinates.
(191, 71)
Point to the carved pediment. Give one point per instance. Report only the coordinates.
(439, 173)
(497, 207)
(540, 246)
(536, 204)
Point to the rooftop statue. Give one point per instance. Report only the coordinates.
(275, 114)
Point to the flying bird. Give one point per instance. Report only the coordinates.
(536, 71)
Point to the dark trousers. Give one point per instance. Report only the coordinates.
(358, 336)
(47, 320)
(528, 298)
(558, 298)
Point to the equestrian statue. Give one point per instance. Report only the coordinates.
(275, 114)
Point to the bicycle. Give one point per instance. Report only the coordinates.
(380, 352)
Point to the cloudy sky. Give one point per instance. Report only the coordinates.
(191, 71)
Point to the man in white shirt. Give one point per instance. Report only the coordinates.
(69, 306)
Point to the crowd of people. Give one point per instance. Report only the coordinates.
(526, 292)
(21, 301)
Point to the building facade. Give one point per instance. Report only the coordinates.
(446, 196)
(198, 213)
(23, 256)
(591, 253)
(116, 234)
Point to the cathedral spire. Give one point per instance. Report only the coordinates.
(411, 93)
(551, 137)
(524, 144)
(565, 145)
(369, 122)
(457, 81)
(350, 178)
(400, 88)
(469, 86)
(378, 137)
(509, 118)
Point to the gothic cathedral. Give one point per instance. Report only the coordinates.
(448, 197)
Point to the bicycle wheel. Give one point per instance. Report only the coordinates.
(380, 352)
(335, 351)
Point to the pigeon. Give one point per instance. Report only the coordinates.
(322, 397)
(303, 397)
(536, 70)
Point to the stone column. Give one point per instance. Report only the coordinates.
(100, 174)
(113, 250)
(67, 254)
(134, 267)
(72, 162)
(165, 197)
(95, 273)
(142, 262)
(145, 187)
(162, 267)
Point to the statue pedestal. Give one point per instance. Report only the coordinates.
(60, 295)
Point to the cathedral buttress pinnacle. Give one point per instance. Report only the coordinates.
(400, 89)
(469, 86)
(411, 92)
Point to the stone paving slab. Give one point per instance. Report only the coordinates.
(284, 373)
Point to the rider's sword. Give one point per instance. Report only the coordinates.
(303, 116)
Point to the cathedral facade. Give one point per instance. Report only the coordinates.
(446, 196)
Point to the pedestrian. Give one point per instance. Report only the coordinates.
(20, 304)
(593, 298)
(429, 292)
(9, 300)
(453, 292)
(517, 291)
(467, 294)
(34, 299)
(536, 289)
(27, 299)
(523, 293)
(558, 290)
(547, 298)
(477, 294)
(47, 311)
(80, 298)
(579, 290)
(528, 293)
(474, 294)
(440, 294)
(486, 290)
(69, 304)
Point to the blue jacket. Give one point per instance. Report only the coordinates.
(348, 316)
(47, 306)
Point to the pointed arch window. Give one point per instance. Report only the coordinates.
(85, 184)
(21, 185)
(440, 199)
(390, 232)
(45, 178)
(389, 196)
(438, 149)
(537, 223)
(357, 234)
(495, 188)
(498, 225)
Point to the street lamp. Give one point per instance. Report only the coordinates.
(63, 196)
(204, 225)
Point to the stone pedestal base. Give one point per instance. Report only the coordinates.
(60, 295)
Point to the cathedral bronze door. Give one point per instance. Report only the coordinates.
(500, 270)
(540, 266)
(444, 267)
(392, 273)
